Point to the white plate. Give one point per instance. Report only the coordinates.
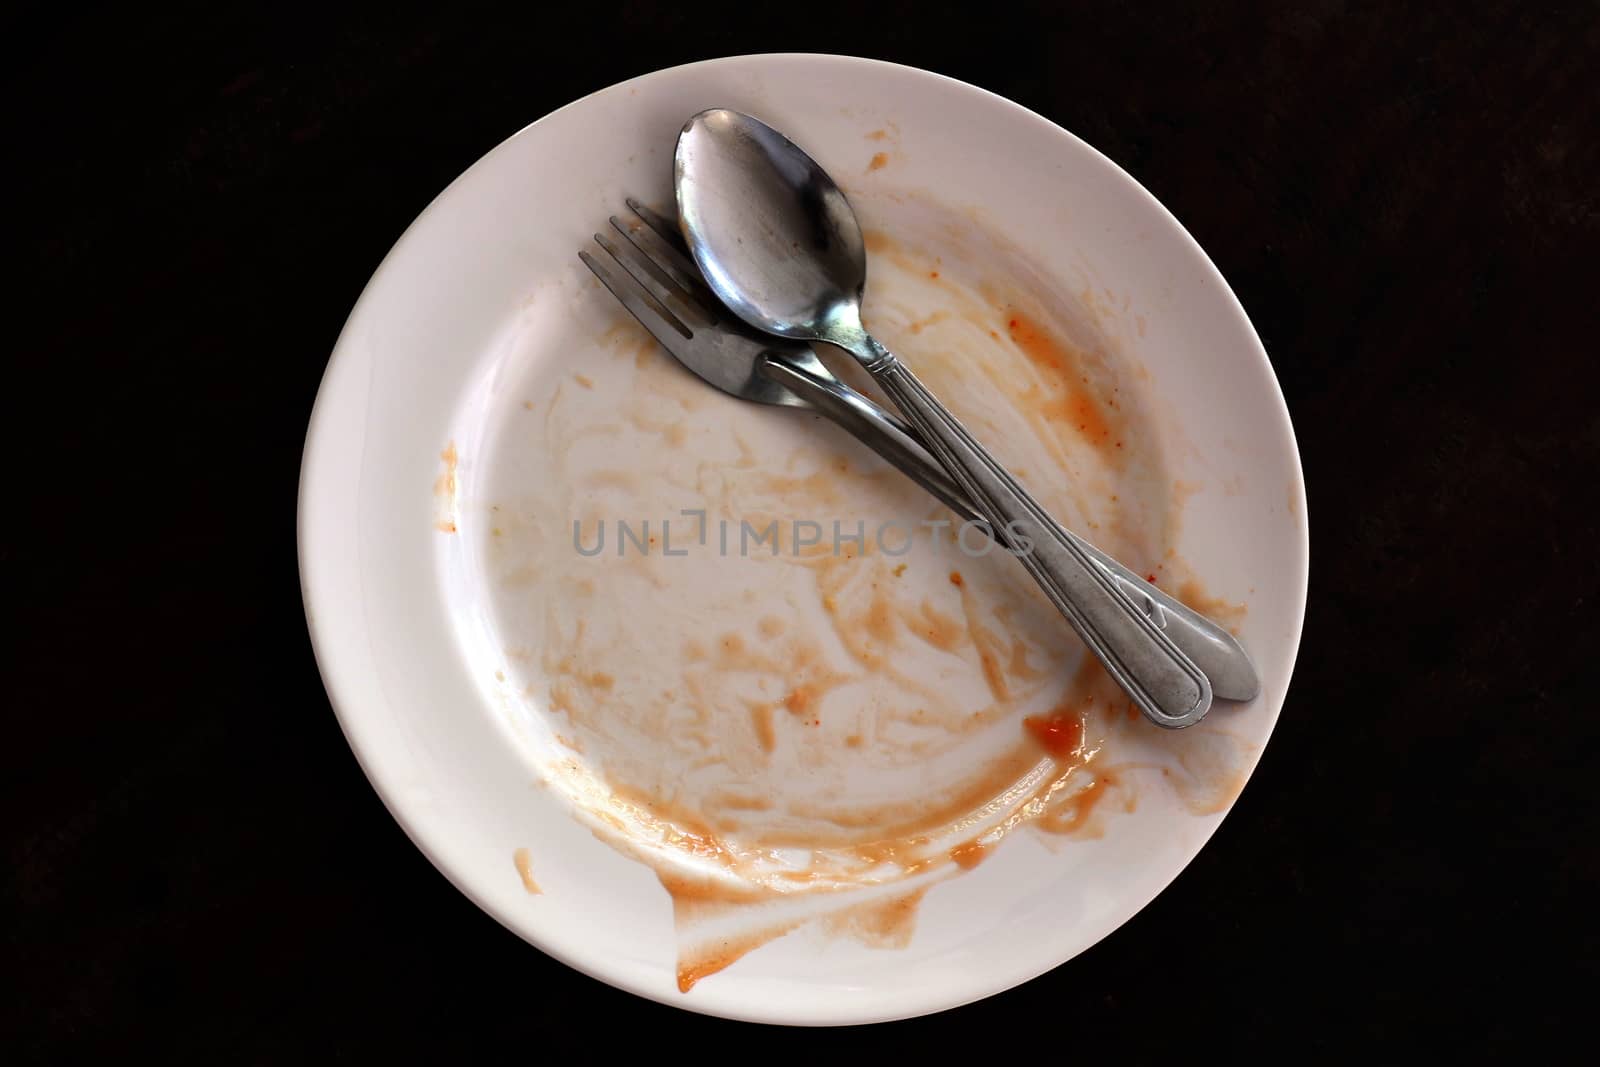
(486, 393)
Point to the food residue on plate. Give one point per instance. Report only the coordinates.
(444, 491)
(792, 718)
(524, 865)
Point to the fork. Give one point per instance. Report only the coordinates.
(663, 289)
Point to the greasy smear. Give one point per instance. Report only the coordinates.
(886, 923)
(897, 828)
(1227, 612)
(1071, 815)
(1211, 771)
(879, 161)
(698, 898)
(696, 964)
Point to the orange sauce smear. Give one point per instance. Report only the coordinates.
(444, 489)
(1062, 400)
(1060, 734)
(1071, 402)
(524, 864)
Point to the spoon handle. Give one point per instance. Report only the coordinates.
(876, 428)
(1164, 683)
(1214, 650)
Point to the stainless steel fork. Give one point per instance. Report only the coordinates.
(663, 289)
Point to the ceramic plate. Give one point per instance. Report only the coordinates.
(701, 698)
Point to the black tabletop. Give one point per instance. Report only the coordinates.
(1404, 198)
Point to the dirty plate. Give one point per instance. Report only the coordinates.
(701, 698)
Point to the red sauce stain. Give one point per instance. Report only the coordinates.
(878, 135)
(1229, 613)
(724, 955)
(800, 699)
(939, 630)
(1060, 733)
(1036, 344)
(969, 855)
(1077, 410)
(1075, 813)
(879, 161)
(993, 672)
(1075, 405)
(761, 719)
(880, 620)
(879, 923)
(955, 578)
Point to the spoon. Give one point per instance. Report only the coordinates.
(779, 245)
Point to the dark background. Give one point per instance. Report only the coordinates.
(1403, 197)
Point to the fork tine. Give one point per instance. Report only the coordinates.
(654, 239)
(665, 228)
(662, 324)
(659, 283)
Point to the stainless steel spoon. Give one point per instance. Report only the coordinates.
(779, 245)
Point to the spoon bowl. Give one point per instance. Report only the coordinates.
(793, 265)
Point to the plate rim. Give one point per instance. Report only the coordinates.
(321, 428)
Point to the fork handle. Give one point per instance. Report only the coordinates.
(1165, 683)
(873, 427)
